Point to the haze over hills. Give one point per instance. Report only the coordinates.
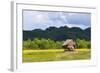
(58, 34)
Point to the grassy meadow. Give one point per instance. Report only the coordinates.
(42, 50)
(55, 55)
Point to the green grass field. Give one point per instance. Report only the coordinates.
(55, 55)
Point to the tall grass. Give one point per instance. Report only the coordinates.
(55, 55)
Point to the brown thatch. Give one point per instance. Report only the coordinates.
(69, 44)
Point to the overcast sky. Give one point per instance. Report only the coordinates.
(44, 19)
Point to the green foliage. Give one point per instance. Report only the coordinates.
(83, 44)
(30, 45)
(59, 44)
(26, 44)
(58, 34)
(51, 44)
(42, 44)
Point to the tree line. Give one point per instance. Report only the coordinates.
(58, 34)
(51, 44)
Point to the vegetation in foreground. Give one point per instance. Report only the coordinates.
(43, 44)
(41, 50)
(55, 55)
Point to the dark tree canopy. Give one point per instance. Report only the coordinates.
(58, 34)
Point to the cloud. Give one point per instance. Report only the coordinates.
(77, 25)
(44, 19)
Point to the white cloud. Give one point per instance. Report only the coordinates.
(77, 25)
(42, 20)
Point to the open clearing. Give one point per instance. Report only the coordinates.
(55, 55)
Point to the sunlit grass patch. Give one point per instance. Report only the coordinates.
(51, 50)
(55, 55)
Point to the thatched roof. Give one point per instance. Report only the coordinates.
(68, 41)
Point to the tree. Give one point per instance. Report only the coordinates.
(83, 43)
(58, 34)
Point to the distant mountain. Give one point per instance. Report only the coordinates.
(58, 34)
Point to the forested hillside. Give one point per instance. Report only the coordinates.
(58, 34)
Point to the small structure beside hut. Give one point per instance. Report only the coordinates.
(69, 45)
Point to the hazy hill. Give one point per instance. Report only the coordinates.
(58, 34)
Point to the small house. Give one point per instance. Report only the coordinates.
(69, 44)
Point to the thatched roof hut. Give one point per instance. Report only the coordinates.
(69, 44)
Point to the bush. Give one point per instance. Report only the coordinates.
(83, 44)
(59, 44)
(42, 44)
(27, 44)
(50, 44)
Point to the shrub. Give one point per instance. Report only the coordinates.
(27, 44)
(83, 43)
(51, 44)
(42, 44)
